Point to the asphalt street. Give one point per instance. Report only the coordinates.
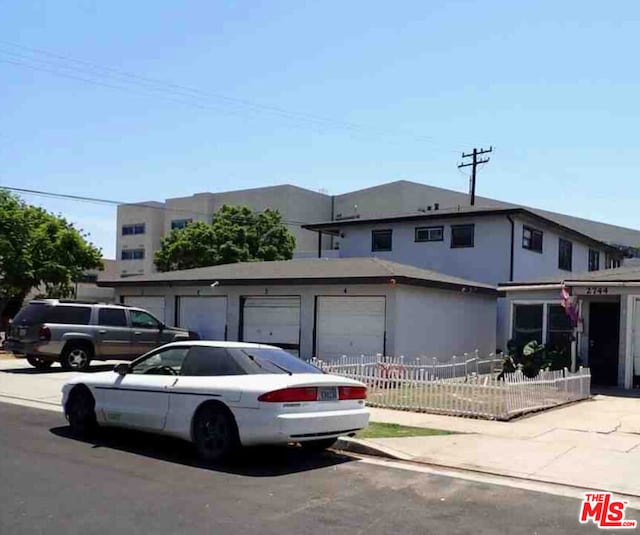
(126, 482)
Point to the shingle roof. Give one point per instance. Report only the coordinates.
(317, 271)
(621, 274)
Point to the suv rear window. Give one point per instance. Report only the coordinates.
(69, 315)
(30, 314)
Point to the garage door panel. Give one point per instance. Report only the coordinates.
(348, 325)
(205, 315)
(154, 304)
(271, 320)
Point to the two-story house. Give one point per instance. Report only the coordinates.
(488, 245)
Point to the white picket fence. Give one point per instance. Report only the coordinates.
(415, 387)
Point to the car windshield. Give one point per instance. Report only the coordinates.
(256, 360)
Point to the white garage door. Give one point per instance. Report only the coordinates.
(349, 326)
(205, 315)
(272, 320)
(155, 305)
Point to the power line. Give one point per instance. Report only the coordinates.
(474, 164)
(131, 80)
(98, 200)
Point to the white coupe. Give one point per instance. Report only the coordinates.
(220, 395)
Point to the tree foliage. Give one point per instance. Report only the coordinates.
(38, 248)
(236, 234)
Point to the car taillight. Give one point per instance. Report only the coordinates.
(288, 395)
(44, 334)
(352, 392)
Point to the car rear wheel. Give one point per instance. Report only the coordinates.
(39, 363)
(318, 445)
(214, 433)
(76, 358)
(80, 411)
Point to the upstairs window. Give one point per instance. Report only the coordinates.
(132, 254)
(532, 239)
(381, 240)
(180, 223)
(594, 260)
(462, 235)
(135, 228)
(611, 262)
(565, 254)
(429, 234)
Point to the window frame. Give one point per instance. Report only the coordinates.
(594, 254)
(130, 254)
(427, 229)
(109, 309)
(473, 235)
(132, 229)
(562, 266)
(157, 351)
(134, 326)
(532, 231)
(378, 232)
(180, 223)
(545, 313)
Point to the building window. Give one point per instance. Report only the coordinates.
(565, 254)
(559, 330)
(381, 240)
(594, 260)
(531, 239)
(462, 235)
(132, 254)
(611, 262)
(135, 228)
(429, 234)
(180, 223)
(527, 324)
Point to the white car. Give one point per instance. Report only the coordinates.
(220, 395)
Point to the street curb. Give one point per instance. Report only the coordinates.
(354, 445)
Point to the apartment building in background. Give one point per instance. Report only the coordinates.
(342, 226)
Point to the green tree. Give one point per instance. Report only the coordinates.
(236, 234)
(38, 248)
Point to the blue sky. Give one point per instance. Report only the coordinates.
(553, 86)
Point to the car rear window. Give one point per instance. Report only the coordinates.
(30, 314)
(68, 315)
(210, 361)
(272, 361)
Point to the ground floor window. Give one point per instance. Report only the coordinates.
(546, 323)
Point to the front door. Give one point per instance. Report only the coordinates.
(140, 399)
(604, 337)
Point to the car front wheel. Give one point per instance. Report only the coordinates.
(214, 433)
(39, 363)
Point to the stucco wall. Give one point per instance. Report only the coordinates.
(441, 323)
(487, 261)
(152, 215)
(418, 320)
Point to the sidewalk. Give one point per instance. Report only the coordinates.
(593, 444)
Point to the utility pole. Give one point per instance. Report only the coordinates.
(474, 164)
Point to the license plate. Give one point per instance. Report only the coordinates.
(22, 331)
(327, 394)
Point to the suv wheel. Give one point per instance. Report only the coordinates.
(39, 363)
(76, 357)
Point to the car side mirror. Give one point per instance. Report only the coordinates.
(122, 368)
(162, 327)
